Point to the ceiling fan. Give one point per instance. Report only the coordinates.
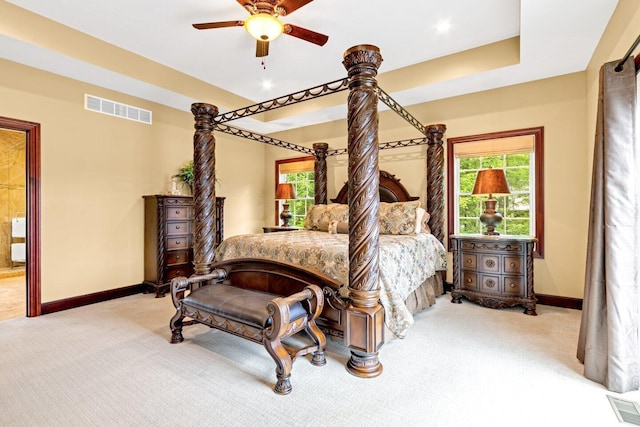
(264, 25)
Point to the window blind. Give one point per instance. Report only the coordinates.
(492, 147)
(297, 167)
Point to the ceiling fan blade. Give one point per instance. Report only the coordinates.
(222, 24)
(247, 4)
(292, 5)
(307, 35)
(262, 48)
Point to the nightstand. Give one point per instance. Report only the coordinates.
(276, 228)
(494, 271)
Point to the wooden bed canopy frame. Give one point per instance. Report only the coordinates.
(364, 313)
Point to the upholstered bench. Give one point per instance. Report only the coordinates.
(258, 316)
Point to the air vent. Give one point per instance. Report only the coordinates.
(627, 411)
(118, 109)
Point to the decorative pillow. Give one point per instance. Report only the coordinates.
(338, 227)
(399, 218)
(422, 221)
(319, 216)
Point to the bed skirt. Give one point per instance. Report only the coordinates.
(425, 295)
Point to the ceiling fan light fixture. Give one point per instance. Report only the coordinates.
(263, 27)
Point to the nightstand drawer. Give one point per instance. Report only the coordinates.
(490, 284)
(513, 265)
(470, 281)
(514, 285)
(489, 263)
(469, 261)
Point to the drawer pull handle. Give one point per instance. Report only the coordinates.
(468, 260)
(178, 228)
(177, 242)
(513, 285)
(513, 264)
(177, 256)
(469, 280)
(491, 283)
(177, 211)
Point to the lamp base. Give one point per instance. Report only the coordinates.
(285, 215)
(490, 217)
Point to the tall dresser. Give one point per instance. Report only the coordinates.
(168, 239)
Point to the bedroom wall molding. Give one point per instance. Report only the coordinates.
(543, 299)
(557, 301)
(81, 300)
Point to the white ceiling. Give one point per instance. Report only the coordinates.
(556, 37)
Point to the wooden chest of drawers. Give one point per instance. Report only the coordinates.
(168, 239)
(494, 271)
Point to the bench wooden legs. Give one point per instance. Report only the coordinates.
(176, 327)
(284, 356)
(220, 306)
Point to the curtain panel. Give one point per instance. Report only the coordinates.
(608, 344)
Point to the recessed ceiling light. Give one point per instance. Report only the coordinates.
(267, 85)
(443, 26)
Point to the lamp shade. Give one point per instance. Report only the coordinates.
(285, 192)
(492, 182)
(263, 27)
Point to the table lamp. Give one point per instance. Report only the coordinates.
(491, 182)
(285, 192)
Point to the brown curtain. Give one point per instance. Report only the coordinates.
(609, 345)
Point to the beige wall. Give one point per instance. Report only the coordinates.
(95, 169)
(565, 106)
(621, 31)
(558, 104)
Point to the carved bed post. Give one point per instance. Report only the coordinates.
(320, 172)
(435, 180)
(204, 190)
(365, 317)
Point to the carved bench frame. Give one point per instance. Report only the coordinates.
(295, 281)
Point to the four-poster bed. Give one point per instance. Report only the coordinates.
(359, 318)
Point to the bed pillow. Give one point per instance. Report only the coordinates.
(319, 216)
(338, 227)
(422, 221)
(399, 218)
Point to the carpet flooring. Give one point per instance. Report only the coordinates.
(110, 364)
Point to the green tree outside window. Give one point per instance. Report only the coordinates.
(515, 208)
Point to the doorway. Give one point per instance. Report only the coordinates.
(29, 255)
(13, 208)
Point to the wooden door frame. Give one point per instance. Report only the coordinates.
(32, 133)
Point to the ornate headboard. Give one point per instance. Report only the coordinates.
(390, 190)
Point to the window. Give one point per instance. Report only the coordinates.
(299, 172)
(519, 153)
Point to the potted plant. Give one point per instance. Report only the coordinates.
(185, 174)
